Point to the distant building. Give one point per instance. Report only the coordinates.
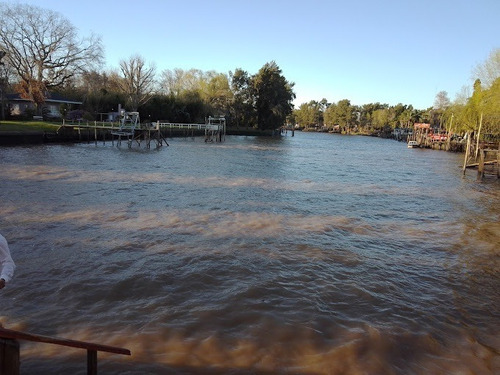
(421, 126)
(17, 106)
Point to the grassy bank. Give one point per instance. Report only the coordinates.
(28, 126)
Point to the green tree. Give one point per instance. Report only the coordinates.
(98, 91)
(177, 81)
(274, 96)
(330, 116)
(366, 113)
(243, 108)
(490, 110)
(380, 118)
(160, 108)
(190, 107)
(310, 114)
(473, 108)
(218, 94)
(405, 118)
(344, 113)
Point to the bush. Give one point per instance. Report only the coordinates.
(75, 115)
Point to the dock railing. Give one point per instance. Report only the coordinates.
(9, 349)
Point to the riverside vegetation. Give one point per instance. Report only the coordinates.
(262, 101)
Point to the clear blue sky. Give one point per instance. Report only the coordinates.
(365, 51)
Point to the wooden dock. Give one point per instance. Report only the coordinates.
(131, 131)
(483, 156)
(214, 128)
(487, 162)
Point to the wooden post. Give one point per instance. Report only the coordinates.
(467, 150)
(479, 134)
(480, 167)
(498, 161)
(91, 362)
(448, 139)
(9, 357)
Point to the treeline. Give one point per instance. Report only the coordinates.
(348, 118)
(42, 55)
(467, 113)
(479, 113)
(262, 100)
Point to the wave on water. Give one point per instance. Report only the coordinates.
(353, 256)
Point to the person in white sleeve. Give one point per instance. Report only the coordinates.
(7, 265)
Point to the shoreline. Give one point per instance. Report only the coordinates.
(27, 137)
(14, 138)
(30, 137)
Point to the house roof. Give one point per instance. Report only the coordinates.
(51, 98)
(418, 125)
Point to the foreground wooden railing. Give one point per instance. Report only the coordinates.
(9, 358)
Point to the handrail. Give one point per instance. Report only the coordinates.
(91, 348)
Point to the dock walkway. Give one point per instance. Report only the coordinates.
(131, 130)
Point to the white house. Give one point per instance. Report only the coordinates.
(17, 106)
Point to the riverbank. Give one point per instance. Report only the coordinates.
(37, 132)
(25, 132)
(21, 137)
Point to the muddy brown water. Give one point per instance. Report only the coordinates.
(312, 254)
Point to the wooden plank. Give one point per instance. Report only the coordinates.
(474, 165)
(18, 335)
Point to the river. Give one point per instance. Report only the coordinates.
(312, 254)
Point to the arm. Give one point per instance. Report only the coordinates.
(7, 265)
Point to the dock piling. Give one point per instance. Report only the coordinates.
(9, 356)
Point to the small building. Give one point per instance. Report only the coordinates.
(19, 107)
(421, 126)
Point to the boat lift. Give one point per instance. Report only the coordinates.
(128, 123)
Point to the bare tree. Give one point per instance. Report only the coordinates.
(3, 84)
(138, 81)
(489, 70)
(179, 81)
(43, 49)
(442, 101)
